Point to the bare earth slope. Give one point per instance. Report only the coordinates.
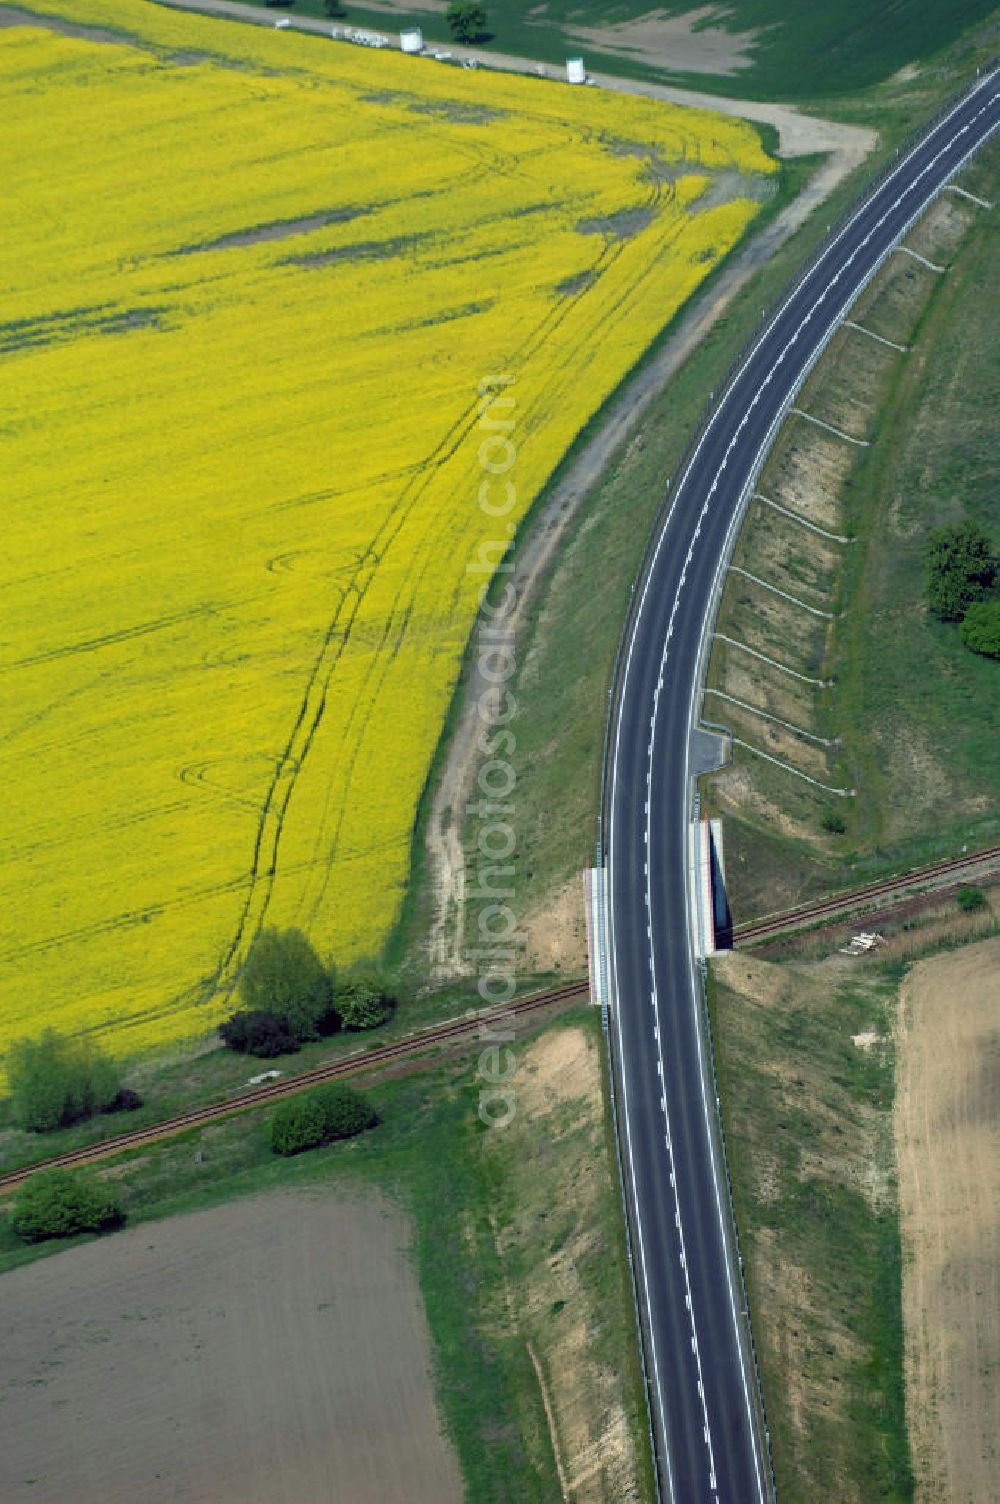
(273, 1351)
(948, 1146)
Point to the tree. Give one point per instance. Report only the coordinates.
(831, 820)
(468, 21)
(318, 1117)
(362, 1002)
(59, 1203)
(334, 8)
(961, 568)
(980, 630)
(55, 1081)
(284, 975)
(254, 1031)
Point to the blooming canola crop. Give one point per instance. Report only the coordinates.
(253, 284)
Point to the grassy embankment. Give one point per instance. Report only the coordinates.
(909, 713)
(808, 1119)
(505, 1258)
(805, 1055)
(804, 1050)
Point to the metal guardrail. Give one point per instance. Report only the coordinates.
(805, 270)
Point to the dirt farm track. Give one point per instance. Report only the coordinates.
(233, 1356)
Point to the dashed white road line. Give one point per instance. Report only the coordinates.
(626, 668)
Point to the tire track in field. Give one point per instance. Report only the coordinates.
(323, 860)
(282, 786)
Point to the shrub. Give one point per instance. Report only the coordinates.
(960, 569)
(125, 1100)
(59, 1203)
(969, 900)
(833, 822)
(980, 631)
(317, 1117)
(55, 1081)
(345, 1111)
(297, 1123)
(254, 1031)
(284, 976)
(363, 1003)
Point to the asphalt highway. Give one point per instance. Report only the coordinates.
(703, 1399)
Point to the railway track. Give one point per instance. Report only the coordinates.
(846, 903)
(262, 1096)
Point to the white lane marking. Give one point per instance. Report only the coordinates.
(626, 670)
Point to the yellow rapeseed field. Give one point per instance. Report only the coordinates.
(252, 282)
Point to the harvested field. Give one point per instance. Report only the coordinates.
(947, 1129)
(273, 1351)
(687, 43)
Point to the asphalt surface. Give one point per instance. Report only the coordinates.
(703, 1400)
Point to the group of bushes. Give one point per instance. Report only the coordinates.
(290, 997)
(318, 1117)
(962, 584)
(55, 1081)
(61, 1203)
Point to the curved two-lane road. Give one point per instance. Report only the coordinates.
(705, 1412)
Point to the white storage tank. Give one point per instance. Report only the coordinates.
(576, 73)
(412, 40)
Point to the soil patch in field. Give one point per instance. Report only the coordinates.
(685, 44)
(11, 15)
(947, 1128)
(273, 1351)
